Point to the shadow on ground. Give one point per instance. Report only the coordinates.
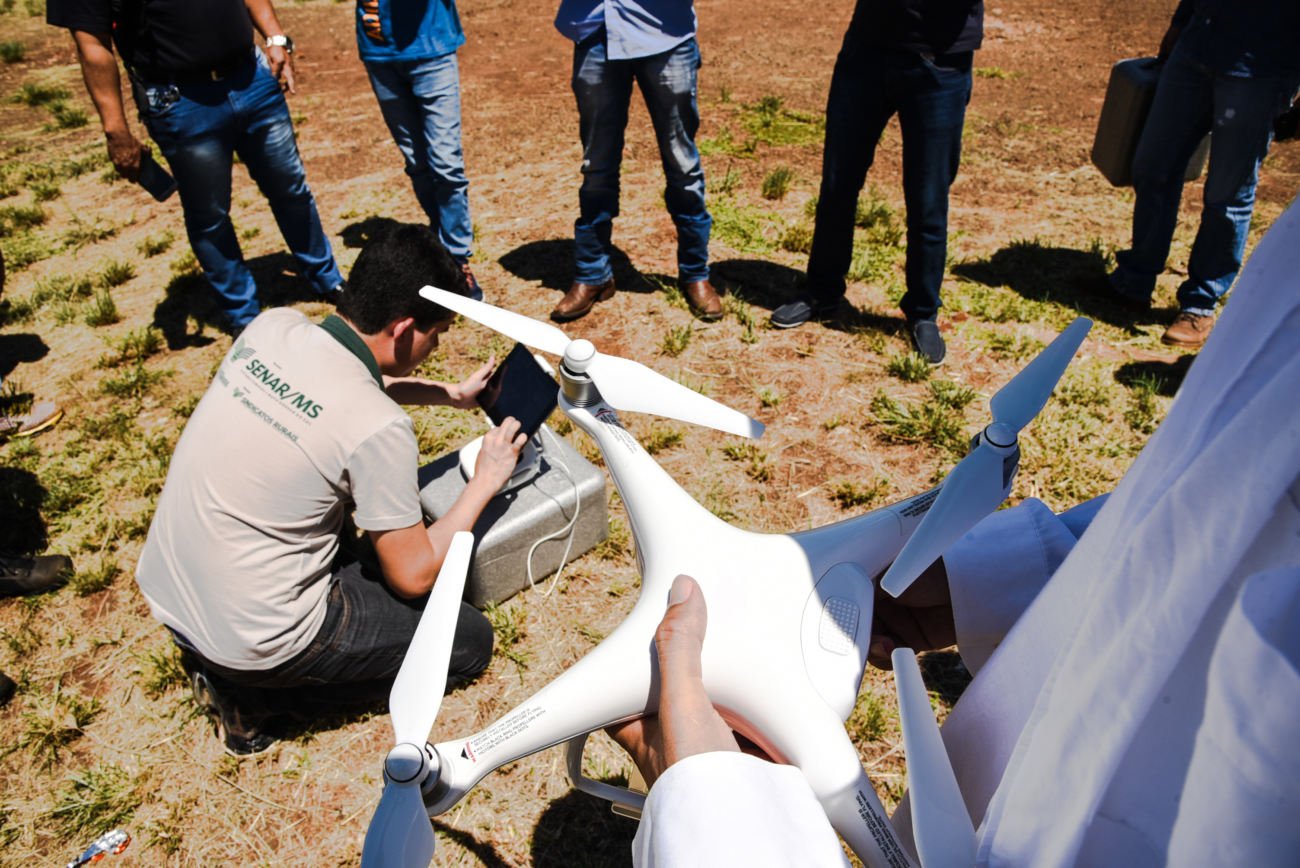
(550, 263)
(20, 348)
(580, 831)
(190, 297)
(21, 497)
(1163, 377)
(1062, 275)
(945, 674)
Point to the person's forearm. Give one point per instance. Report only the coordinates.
(103, 82)
(417, 391)
(263, 15)
(462, 515)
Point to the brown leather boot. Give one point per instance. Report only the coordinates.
(580, 298)
(703, 299)
(1188, 330)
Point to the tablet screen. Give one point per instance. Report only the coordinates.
(520, 388)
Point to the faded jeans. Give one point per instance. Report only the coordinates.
(603, 89)
(420, 102)
(200, 126)
(1190, 101)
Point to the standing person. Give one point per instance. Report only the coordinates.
(411, 60)
(205, 93)
(911, 58)
(652, 43)
(1230, 69)
(243, 561)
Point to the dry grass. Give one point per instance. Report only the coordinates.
(102, 730)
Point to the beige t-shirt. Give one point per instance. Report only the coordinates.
(293, 428)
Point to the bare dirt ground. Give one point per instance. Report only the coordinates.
(1032, 227)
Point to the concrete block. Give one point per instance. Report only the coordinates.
(513, 521)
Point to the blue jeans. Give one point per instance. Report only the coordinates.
(867, 88)
(420, 101)
(199, 126)
(354, 656)
(1190, 101)
(603, 89)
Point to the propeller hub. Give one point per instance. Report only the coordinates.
(579, 354)
(1000, 434)
(405, 763)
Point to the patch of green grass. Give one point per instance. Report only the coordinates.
(19, 218)
(102, 310)
(185, 407)
(152, 245)
(724, 143)
(115, 273)
(1144, 412)
(833, 422)
(25, 248)
(769, 396)
(136, 344)
(94, 801)
(56, 723)
(768, 121)
(869, 721)
(96, 159)
(797, 238)
(134, 383)
(676, 340)
(777, 182)
(35, 94)
(46, 191)
(250, 232)
(741, 227)
(878, 218)
(871, 261)
(95, 577)
(660, 438)
(1011, 346)
(185, 263)
(617, 543)
(937, 420)
(66, 117)
(755, 460)
(160, 670)
(908, 367)
(994, 72)
(508, 623)
(849, 494)
(12, 51)
(83, 232)
(728, 183)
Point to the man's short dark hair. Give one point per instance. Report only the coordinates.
(385, 281)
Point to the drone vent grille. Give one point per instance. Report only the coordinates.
(839, 625)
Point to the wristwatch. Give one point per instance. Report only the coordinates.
(280, 41)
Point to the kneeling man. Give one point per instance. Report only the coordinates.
(301, 426)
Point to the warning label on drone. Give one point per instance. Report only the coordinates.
(617, 430)
(881, 833)
(500, 732)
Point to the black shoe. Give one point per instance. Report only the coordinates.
(801, 310)
(335, 292)
(237, 736)
(927, 340)
(22, 576)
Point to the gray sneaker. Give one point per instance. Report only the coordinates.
(801, 310)
(21, 576)
(927, 340)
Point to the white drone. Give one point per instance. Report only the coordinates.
(789, 620)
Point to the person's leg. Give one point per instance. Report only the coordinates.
(420, 102)
(1242, 130)
(1178, 120)
(668, 84)
(265, 142)
(857, 110)
(602, 89)
(194, 132)
(932, 98)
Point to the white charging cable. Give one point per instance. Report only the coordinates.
(569, 528)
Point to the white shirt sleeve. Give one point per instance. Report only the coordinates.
(996, 570)
(727, 808)
(382, 471)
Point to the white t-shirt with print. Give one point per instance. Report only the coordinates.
(294, 427)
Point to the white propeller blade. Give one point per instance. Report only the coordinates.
(417, 691)
(941, 826)
(624, 384)
(974, 487)
(400, 835)
(1019, 401)
(528, 331)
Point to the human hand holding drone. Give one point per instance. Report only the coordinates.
(790, 614)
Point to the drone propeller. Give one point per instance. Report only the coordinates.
(974, 488)
(941, 826)
(400, 835)
(624, 384)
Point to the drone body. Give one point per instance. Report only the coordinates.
(789, 615)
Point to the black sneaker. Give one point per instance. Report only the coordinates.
(927, 340)
(238, 738)
(801, 310)
(22, 576)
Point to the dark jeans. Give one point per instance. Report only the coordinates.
(929, 96)
(354, 657)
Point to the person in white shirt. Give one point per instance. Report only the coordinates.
(1136, 692)
(244, 563)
